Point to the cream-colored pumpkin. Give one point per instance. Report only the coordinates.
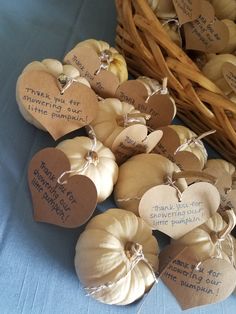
(231, 45)
(117, 64)
(112, 118)
(104, 254)
(225, 9)
(151, 85)
(140, 173)
(163, 9)
(205, 240)
(213, 70)
(185, 134)
(172, 29)
(220, 163)
(55, 68)
(101, 167)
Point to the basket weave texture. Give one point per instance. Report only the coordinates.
(149, 51)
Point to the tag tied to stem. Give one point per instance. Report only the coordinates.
(91, 157)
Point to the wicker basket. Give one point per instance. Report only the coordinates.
(149, 51)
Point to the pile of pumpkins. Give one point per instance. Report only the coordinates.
(117, 254)
(211, 64)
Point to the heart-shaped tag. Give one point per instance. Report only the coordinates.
(187, 10)
(212, 281)
(163, 211)
(67, 205)
(134, 140)
(206, 33)
(40, 95)
(167, 147)
(87, 61)
(229, 72)
(159, 106)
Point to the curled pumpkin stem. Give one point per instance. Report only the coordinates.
(194, 174)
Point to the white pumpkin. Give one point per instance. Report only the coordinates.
(213, 70)
(117, 63)
(140, 173)
(205, 240)
(108, 249)
(215, 167)
(220, 163)
(231, 45)
(112, 118)
(100, 163)
(185, 134)
(172, 29)
(163, 9)
(225, 9)
(56, 68)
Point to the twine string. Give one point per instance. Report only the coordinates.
(88, 161)
(132, 118)
(224, 235)
(157, 89)
(136, 198)
(169, 181)
(64, 82)
(194, 140)
(134, 259)
(105, 58)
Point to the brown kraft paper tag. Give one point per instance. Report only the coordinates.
(163, 211)
(206, 33)
(134, 140)
(59, 114)
(212, 281)
(86, 60)
(167, 146)
(67, 205)
(229, 72)
(160, 107)
(187, 10)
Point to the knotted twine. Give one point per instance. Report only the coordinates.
(88, 160)
(134, 253)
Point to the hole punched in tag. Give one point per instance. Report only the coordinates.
(64, 82)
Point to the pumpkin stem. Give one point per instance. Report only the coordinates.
(193, 174)
(92, 157)
(133, 250)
